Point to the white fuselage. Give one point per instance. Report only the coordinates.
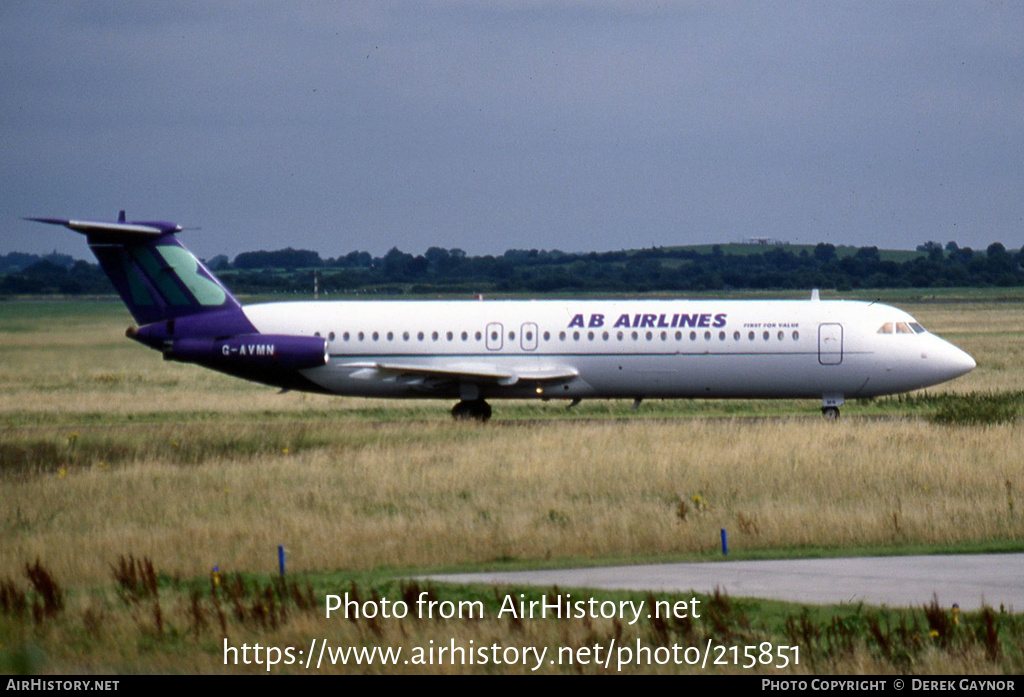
(616, 348)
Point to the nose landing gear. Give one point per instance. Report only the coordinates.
(830, 404)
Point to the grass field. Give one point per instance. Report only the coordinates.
(130, 479)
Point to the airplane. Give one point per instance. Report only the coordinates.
(476, 350)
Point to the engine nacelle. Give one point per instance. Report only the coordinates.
(279, 351)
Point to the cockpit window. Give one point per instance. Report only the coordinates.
(901, 328)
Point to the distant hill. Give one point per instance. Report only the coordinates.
(721, 267)
(746, 249)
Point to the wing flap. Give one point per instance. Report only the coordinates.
(469, 372)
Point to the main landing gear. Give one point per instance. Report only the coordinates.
(476, 409)
(830, 413)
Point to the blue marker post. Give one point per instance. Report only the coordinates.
(280, 558)
(725, 543)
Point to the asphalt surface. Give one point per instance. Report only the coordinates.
(970, 581)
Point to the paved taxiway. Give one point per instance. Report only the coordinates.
(969, 580)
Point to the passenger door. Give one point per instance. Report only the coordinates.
(830, 344)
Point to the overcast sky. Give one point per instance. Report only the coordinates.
(492, 124)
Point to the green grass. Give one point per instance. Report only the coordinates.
(24, 316)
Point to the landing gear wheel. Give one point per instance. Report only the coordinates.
(830, 413)
(476, 409)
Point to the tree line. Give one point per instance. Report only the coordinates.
(658, 269)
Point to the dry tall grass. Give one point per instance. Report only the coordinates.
(428, 494)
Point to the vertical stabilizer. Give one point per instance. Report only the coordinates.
(155, 275)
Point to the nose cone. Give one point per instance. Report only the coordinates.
(953, 362)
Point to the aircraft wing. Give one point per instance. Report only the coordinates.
(462, 372)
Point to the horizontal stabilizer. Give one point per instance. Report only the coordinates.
(94, 227)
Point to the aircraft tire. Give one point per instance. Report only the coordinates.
(830, 413)
(477, 410)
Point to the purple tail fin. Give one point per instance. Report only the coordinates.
(155, 275)
(185, 312)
